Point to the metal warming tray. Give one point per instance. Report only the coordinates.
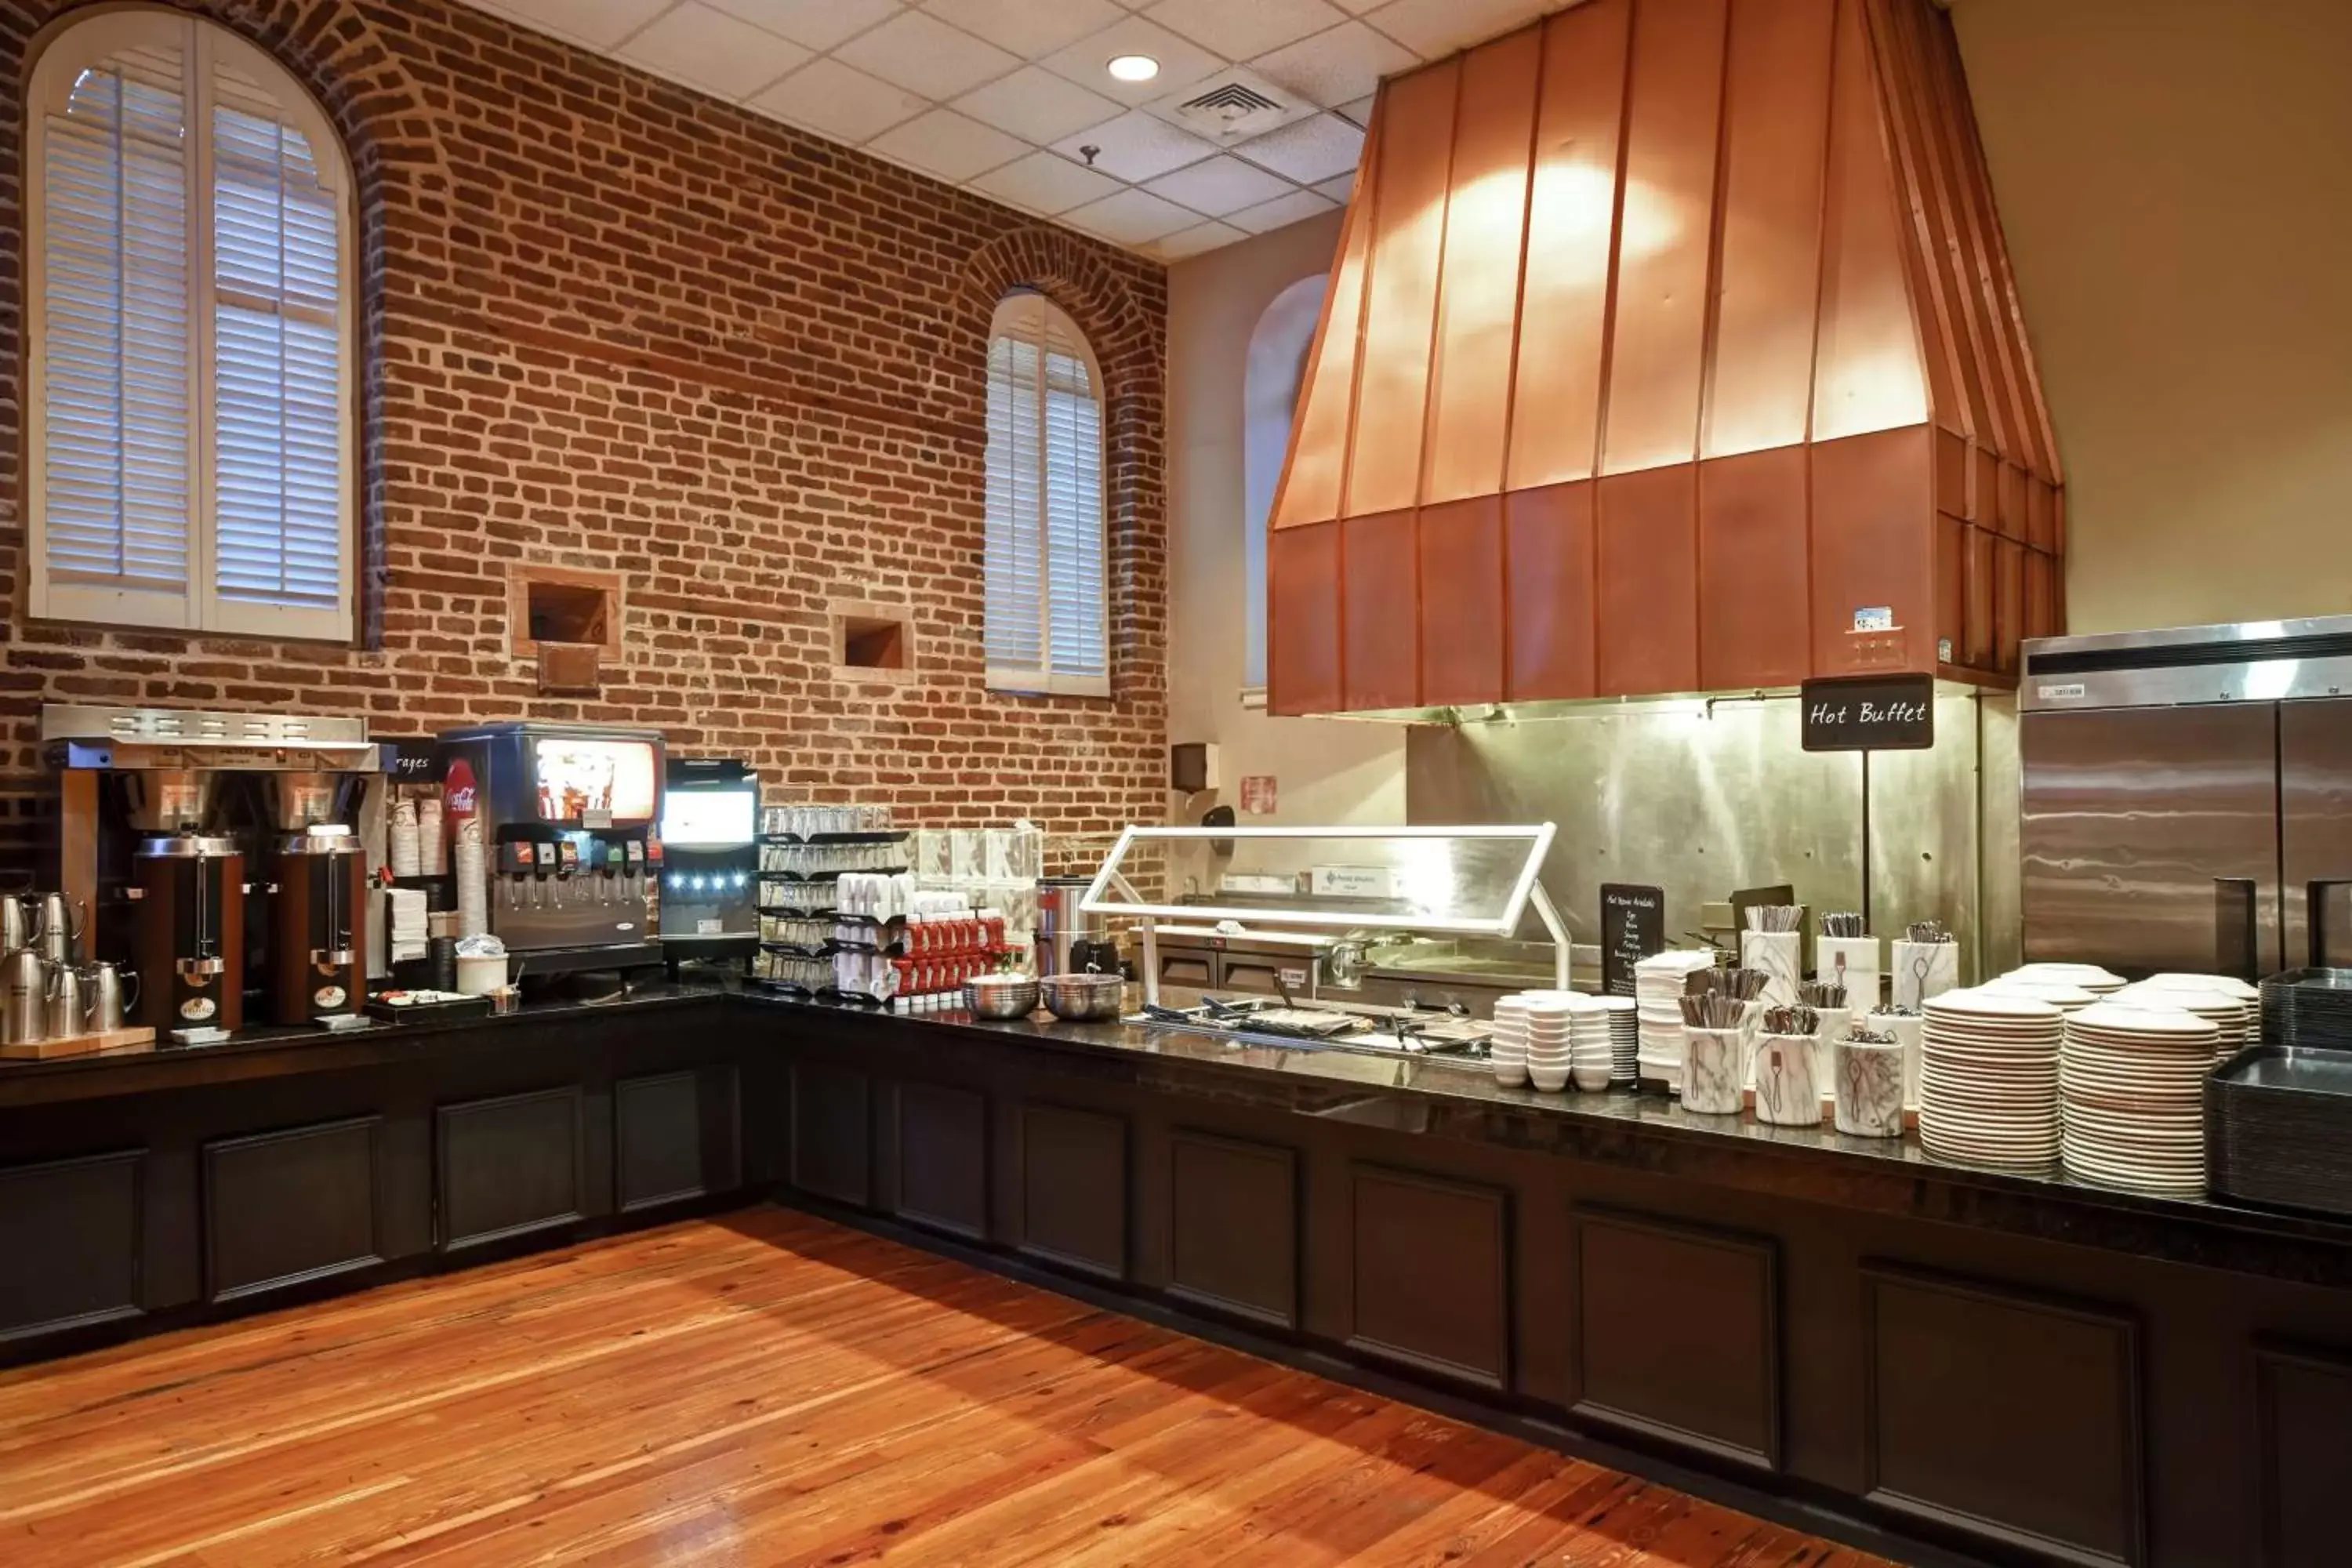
(2278, 1127)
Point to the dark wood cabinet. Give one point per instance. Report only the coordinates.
(2302, 1447)
(2007, 1417)
(287, 1207)
(943, 1143)
(1073, 1189)
(72, 1233)
(1233, 1227)
(832, 1136)
(510, 1165)
(676, 1136)
(1430, 1274)
(1676, 1334)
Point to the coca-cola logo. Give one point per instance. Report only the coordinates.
(461, 801)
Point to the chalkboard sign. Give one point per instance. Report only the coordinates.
(412, 760)
(1869, 714)
(1633, 927)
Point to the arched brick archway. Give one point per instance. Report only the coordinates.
(1130, 347)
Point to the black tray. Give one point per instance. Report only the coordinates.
(2310, 1006)
(2278, 1127)
(420, 1012)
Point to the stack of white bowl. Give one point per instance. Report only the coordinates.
(1506, 1049)
(1550, 1031)
(1989, 1079)
(1658, 983)
(1624, 1038)
(2132, 1081)
(1590, 1053)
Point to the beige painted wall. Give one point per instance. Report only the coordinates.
(2175, 179)
(1328, 770)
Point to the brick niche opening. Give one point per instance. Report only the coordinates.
(873, 642)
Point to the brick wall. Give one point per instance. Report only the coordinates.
(610, 324)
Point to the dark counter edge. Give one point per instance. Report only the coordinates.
(1620, 1128)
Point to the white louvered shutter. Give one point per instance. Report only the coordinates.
(114, 459)
(191, 336)
(1047, 588)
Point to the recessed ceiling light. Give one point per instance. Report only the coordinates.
(1133, 68)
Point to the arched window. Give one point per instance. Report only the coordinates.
(1048, 617)
(190, 234)
(1276, 370)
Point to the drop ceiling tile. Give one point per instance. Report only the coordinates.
(834, 100)
(1308, 150)
(1135, 147)
(1281, 212)
(1342, 189)
(812, 24)
(1035, 105)
(1191, 241)
(1219, 185)
(1358, 112)
(1244, 29)
(945, 143)
(1181, 63)
(923, 54)
(1045, 183)
(1132, 217)
(1435, 27)
(1030, 28)
(1334, 66)
(599, 24)
(709, 50)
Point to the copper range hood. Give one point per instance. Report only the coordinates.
(1672, 346)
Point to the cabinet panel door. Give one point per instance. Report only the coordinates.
(2304, 1438)
(1430, 1274)
(285, 1207)
(1232, 1231)
(943, 1158)
(510, 1165)
(1073, 1189)
(674, 1137)
(85, 1221)
(833, 1133)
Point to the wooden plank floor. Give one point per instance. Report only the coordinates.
(768, 1388)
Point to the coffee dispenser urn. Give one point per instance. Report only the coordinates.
(190, 934)
(318, 934)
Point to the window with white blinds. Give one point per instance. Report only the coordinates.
(1049, 621)
(191, 328)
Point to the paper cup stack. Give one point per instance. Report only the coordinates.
(1551, 1032)
(1624, 1038)
(2132, 1086)
(1658, 983)
(1507, 1050)
(1988, 1079)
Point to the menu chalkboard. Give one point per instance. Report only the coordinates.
(1869, 714)
(1633, 927)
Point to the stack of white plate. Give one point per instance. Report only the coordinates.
(2063, 995)
(1989, 1079)
(1624, 1037)
(1549, 1031)
(1590, 1052)
(2132, 1081)
(1658, 981)
(2249, 998)
(2089, 976)
(1507, 1051)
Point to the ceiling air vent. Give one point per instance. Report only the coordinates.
(1230, 107)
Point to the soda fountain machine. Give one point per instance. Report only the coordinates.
(567, 819)
(710, 854)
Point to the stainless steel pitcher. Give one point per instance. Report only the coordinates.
(69, 1001)
(23, 1014)
(108, 1004)
(20, 916)
(61, 927)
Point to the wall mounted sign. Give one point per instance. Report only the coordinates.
(1869, 714)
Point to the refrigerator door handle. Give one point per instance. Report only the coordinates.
(2314, 894)
(2237, 928)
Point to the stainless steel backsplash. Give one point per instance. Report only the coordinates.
(1702, 798)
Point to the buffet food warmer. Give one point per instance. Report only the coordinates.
(1364, 881)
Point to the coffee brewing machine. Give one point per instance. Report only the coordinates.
(710, 853)
(220, 856)
(563, 823)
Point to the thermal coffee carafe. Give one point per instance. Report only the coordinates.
(318, 934)
(191, 932)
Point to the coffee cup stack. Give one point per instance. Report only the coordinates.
(1550, 1052)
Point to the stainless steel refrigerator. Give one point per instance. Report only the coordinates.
(2186, 796)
